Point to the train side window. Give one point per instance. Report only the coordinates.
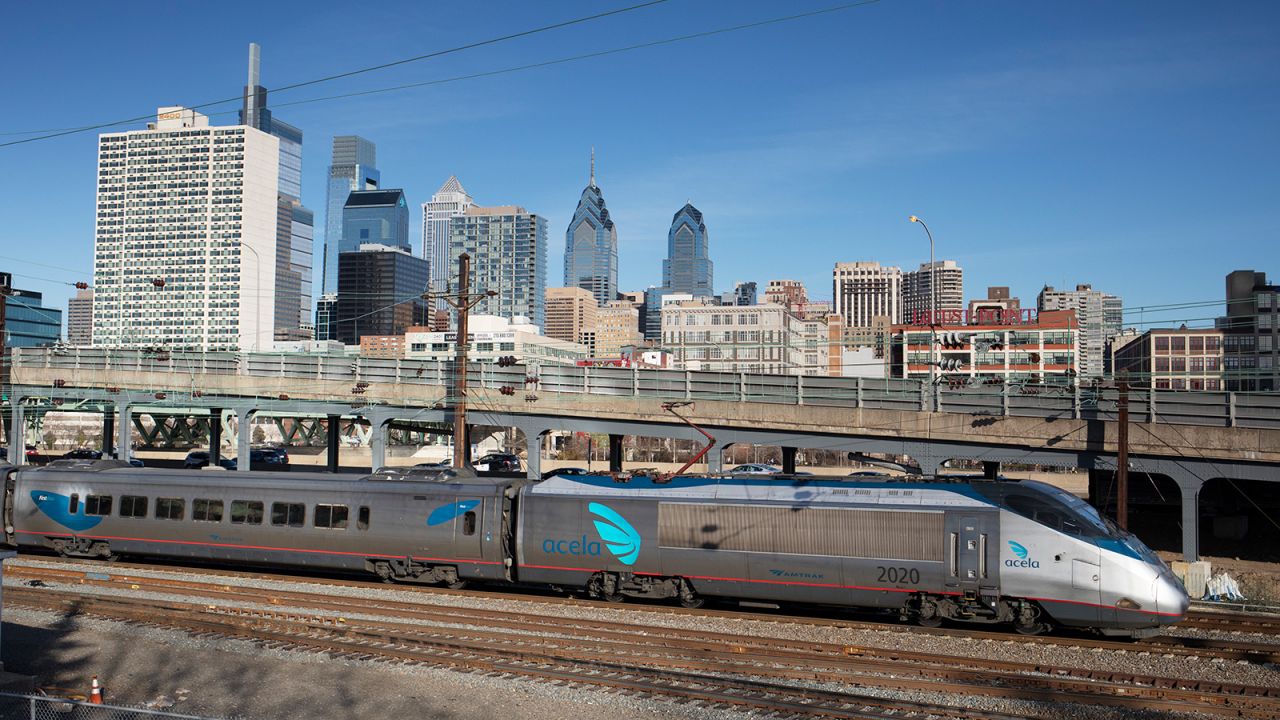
(170, 508)
(362, 520)
(1033, 508)
(97, 504)
(246, 512)
(331, 516)
(291, 514)
(206, 510)
(133, 506)
(73, 504)
(469, 522)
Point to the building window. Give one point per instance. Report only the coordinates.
(1212, 364)
(1162, 345)
(1212, 344)
(1179, 364)
(1196, 364)
(1162, 364)
(1197, 345)
(1178, 345)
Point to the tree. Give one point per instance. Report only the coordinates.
(49, 439)
(81, 438)
(259, 436)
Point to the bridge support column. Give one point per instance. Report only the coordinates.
(615, 453)
(990, 470)
(334, 443)
(124, 442)
(1190, 519)
(533, 452)
(108, 429)
(377, 441)
(244, 436)
(17, 430)
(788, 460)
(715, 459)
(215, 436)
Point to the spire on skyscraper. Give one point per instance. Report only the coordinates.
(593, 166)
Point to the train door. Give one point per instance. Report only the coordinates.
(469, 528)
(972, 543)
(1086, 581)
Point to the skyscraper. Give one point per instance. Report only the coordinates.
(80, 319)
(508, 249)
(591, 245)
(377, 289)
(450, 201)
(186, 234)
(688, 267)
(918, 287)
(571, 311)
(353, 168)
(375, 216)
(295, 224)
(1100, 316)
(863, 291)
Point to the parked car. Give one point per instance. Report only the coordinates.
(32, 454)
(259, 459)
(498, 462)
(756, 469)
(868, 474)
(83, 454)
(567, 471)
(195, 460)
(435, 465)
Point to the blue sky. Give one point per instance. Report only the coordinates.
(1129, 145)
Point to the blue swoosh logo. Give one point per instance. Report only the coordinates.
(618, 535)
(56, 506)
(445, 513)
(1018, 549)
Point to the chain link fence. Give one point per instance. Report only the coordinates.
(37, 707)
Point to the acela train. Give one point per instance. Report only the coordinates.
(988, 551)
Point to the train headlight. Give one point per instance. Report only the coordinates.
(1125, 603)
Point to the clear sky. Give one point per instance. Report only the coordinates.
(1129, 145)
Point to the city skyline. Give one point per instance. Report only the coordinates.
(1118, 178)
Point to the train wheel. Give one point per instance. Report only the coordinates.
(692, 602)
(1028, 622)
(456, 584)
(613, 597)
(929, 622)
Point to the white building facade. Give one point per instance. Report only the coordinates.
(185, 238)
(450, 201)
(944, 276)
(862, 291)
(750, 339)
(494, 337)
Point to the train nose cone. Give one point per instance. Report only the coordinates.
(1172, 600)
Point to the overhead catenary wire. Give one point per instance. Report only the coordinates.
(350, 73)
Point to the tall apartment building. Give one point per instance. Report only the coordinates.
(1100, 317)
(508, 249)
(788, 293)
(918, 286)
(755, 339)
(185, 238)
(1172, 359)
(295, 224)
(80, 319)
(1251, 348)
(378, 293)
(863, 291)
(571, 312)
(617, 327)
(379, 217)
(450, 201)
(688, 267)
(353, 167)
(591, 245)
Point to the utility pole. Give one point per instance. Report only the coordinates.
(1122, 453)
(6, 281)
(462, 301)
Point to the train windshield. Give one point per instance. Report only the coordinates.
(1052, 507)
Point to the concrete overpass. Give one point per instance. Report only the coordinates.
(1187, 437)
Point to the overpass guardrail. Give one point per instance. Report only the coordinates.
(1214, 409)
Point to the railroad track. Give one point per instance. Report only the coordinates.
(397, 624)
(1229, 650)
(1226, 621)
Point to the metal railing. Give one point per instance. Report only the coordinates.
(40, 707)
(1213, 409)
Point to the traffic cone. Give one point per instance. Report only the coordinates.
(95, 695)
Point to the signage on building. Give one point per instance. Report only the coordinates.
(984, 316)
(475, 337)
(6, 281)
(174, 115)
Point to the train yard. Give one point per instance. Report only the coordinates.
(776, 663)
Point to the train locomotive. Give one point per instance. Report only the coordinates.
(930, 549)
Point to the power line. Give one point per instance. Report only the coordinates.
(350, 73)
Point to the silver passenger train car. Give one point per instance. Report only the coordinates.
(1023, 553)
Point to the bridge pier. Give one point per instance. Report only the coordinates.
(377, 440)
(244, 436)
(788, 460)
(124, 443)
(333, 443)
(17, 430)
(533, 440)
(715, 459)
(215, 437)
(108, 429)
(1190, 521)
(615, 452)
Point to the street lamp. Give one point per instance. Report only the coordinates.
(933, 298)
(257, 293)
